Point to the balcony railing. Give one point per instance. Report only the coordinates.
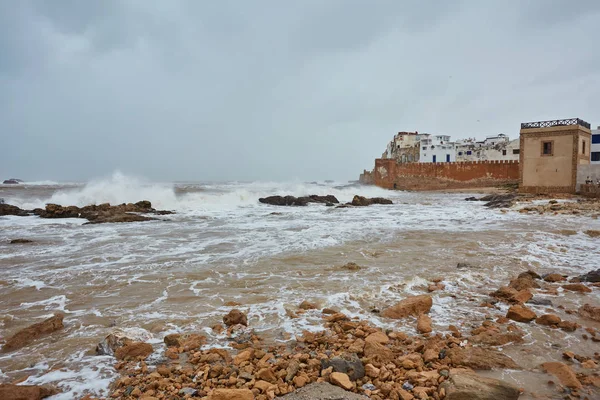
(556, 122)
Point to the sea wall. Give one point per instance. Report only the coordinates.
(432, 176)
(367, 178)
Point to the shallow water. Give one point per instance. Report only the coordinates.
(222, 245)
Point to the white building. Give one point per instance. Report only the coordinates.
(493, 148)
(436, 148)
(595, 147)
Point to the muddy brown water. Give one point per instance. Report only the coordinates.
(155, 278)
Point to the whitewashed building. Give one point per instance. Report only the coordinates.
(493, 148)
(595, 146)
(436, 148)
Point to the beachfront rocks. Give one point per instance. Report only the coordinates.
(111, 343)
(351, 267)
(342, 380)
(378, 353)
(235, 317)
(568, 326)
(298, 201)
(554, 278)
(424, 324)
(499, 200)
(29, 334)
(20, 241)
(480, 358)
(589, 311)
(231, 394)
(102, 213)
(26, 392)
(464, 385)
(529, 273)
(411, 306)
(523, 283)
(520, 313)
(592, 233)
(511, 295)
(322, 391)
(360, 201)
(465, 265)
(577, 287)
(563, 372)
(307, 305)
(348, 364)
(134, 351)
(592, 276)
(548, 320)
(7, 209)
(189, 341)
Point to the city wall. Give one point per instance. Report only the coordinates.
(433, 176)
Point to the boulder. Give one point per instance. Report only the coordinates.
(322, 391)
(7, 209)
(480, 358)
(470, 386)
(520, 313)
(235, 317)
(329, 199)
(29, 334)
(284, 201)
(307, 305)
(424, 324)
(189, 341)
(378, 352)
(378, 337)
(592, 276)
(577, 287)
(20, 241)
(411, 306)
(134, 351)
(511, 295)
(554, 278)
(25, 392)
(102, 213)
(12, 181)
(563, 372)
(548, 320)
(493, 337)
(111, 343)
(348, 364)
(465, 265)
(360, 201)
(231, 394)
(351, 267)
(589, 311)
(342, 380)
(531, 274)
(524, 282)
(499, 200)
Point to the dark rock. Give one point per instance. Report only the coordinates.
(12, 181)
(463, 265)
(102, 213)
(540, 302)
(331, 199)
(20, 241)
(349, 364)
(499, 200)
(592, 276)
(7, 209)
(360, 201)
(471, 199)
(284, 201)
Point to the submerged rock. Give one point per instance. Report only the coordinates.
(589, 311)
(29, 334)
(235, 317)
(414, 305)
(361, 201)
(26, 392)
(465, 385)
(20, 241)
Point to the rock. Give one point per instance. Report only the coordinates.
(464, 265)
(20, 241)
(531, 274)
(540, 302)
(378, 337)
(592, 233)
(348, 364)
(7, 209)
(548, 320)
(563, 372)
(29, 334)
(342, 380)
(235, 317)
(568, 326)
(111, 343)
(322, 391)
(496, 338)
(12, 181)
(172, 340)
(231, 394)
(522, 283)
(463, 386)
(284, 201)
(414, 305)
(371, 371)
(134, 351)
(589, 311)
(592, 276)
(189, 341)
(103, 213)
(377, 351)
(26, 392)
(267, 374)
(424, 324)
(512, 295)
(360, 201)
(589, 364)
(243, 356)
(520, 314)
(577, 287)
(554, 278)
(499, 200)
(480, 358)
(430, 355)
(329, 199)
(306, 305)
(351, 267)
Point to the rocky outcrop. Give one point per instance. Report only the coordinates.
(29, 334)
(360, 201)
(496, 200)
(322, 391)
(465, 385)
(235, 317)
(20, 241)
(589, 311)
(298, 201)
(592, 276)
(12, 181)
(26, 392)
(415, 306)
(563, 372)
(480, 358)
(7, 209)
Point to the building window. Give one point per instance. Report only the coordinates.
(469, 152)
(583, 147)
(548, 148)
(596, 139)
(516, 151)
(503, 152)
(424, 148)
(460, 153)
(595, 155)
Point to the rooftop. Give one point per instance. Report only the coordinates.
(555, 122)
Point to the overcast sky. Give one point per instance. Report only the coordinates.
(277, 90)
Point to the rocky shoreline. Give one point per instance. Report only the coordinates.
(350, 355)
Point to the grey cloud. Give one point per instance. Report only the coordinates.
(272, 90)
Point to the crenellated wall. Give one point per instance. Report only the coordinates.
(431, 176)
